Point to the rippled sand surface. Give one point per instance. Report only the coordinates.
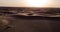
(18, 23)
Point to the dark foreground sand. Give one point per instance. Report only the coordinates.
(33, 24)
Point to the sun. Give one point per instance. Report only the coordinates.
(36, 3)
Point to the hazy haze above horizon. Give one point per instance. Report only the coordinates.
(23, 3)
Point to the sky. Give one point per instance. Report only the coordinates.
(30, 3)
